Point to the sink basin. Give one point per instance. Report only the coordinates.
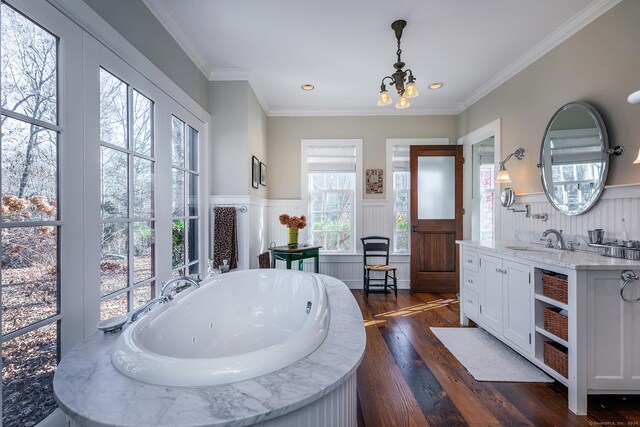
(524, 248)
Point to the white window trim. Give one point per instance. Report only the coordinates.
(405, 142)
(304, 184)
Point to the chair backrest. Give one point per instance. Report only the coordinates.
(263, 260)
(376, 247)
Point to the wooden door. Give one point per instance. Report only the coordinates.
(436, 217)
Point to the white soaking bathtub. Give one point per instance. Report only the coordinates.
(237, 326)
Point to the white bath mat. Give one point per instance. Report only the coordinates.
(487, 358)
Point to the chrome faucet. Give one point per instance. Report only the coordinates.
(560, 240)
(168, 290)
(149, 306)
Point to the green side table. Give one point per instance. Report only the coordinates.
(300, 253)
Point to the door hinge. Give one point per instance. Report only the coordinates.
(529, 338)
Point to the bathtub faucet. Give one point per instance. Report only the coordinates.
(149, 306)
(171, 288)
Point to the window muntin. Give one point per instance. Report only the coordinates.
(331, 210)
(30, 226)
(127, 183)
(185, 195)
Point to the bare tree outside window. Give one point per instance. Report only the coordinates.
(29, 158)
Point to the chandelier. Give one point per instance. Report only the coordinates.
(399, 78)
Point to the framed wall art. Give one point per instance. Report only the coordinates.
(263, 174)
(255, 171)
(374, 181)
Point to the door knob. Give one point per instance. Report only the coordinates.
(414, 228)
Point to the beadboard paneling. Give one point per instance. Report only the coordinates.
(616, 203)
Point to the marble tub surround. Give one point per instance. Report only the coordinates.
(579, 259)
(92, 392)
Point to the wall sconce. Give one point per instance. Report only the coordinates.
(634, 98)
(503, 175)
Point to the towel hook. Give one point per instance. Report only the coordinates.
(626, 277)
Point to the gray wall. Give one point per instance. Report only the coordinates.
(238, 132)
(600, 64)
(139, 26)
(284, 135)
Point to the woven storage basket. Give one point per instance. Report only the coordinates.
(556, 323)
(555, 286)
(557, 358)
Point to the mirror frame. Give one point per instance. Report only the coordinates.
(604, 138)
(507, 197)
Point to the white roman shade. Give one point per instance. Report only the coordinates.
(331, 158)
(400, 158)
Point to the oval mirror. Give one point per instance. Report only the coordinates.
(574, 158)
(508, 197)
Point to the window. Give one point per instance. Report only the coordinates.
(186, 219)
(486, 198)
(127, 164)
(331, 172)
(401, 181)
(31, 226)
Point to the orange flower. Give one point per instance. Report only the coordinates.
(293, 221)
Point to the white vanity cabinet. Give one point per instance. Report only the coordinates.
(501, 290)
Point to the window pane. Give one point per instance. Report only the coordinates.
(29, 172)
(29, 74)
(194, 268)
(113, 109)
(436, 187)
(142, 295)
(177, 142)
(113, 183)
(178, 192)
(29, 276)
(142, 124)
(143, 251)
(114, 264)
(193, 149)
(28, 364)
(117, 306)
(177, 243)
(143, 188)
(193, 194)
(193, 240)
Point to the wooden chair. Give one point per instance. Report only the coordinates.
(377, 248)
(263, 260)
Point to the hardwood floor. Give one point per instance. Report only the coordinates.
(408, 378)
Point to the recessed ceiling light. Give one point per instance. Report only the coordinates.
(437, 85)
(308, 87)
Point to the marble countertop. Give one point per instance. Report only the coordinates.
(578, 260)
(92, 392)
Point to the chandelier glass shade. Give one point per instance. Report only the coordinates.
(399, 77)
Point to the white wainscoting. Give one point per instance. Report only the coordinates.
(617, 202)
(260, 226)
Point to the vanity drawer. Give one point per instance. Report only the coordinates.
(470, 305)
(470, 260)
(470, 280)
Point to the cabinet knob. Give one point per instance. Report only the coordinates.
(469, 261)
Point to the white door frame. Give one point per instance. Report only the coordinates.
(489, 130)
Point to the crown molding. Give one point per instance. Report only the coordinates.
(572, 26)
(175, 30)
(444, 109)
(228, 74)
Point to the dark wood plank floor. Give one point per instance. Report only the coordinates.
(408, 378)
